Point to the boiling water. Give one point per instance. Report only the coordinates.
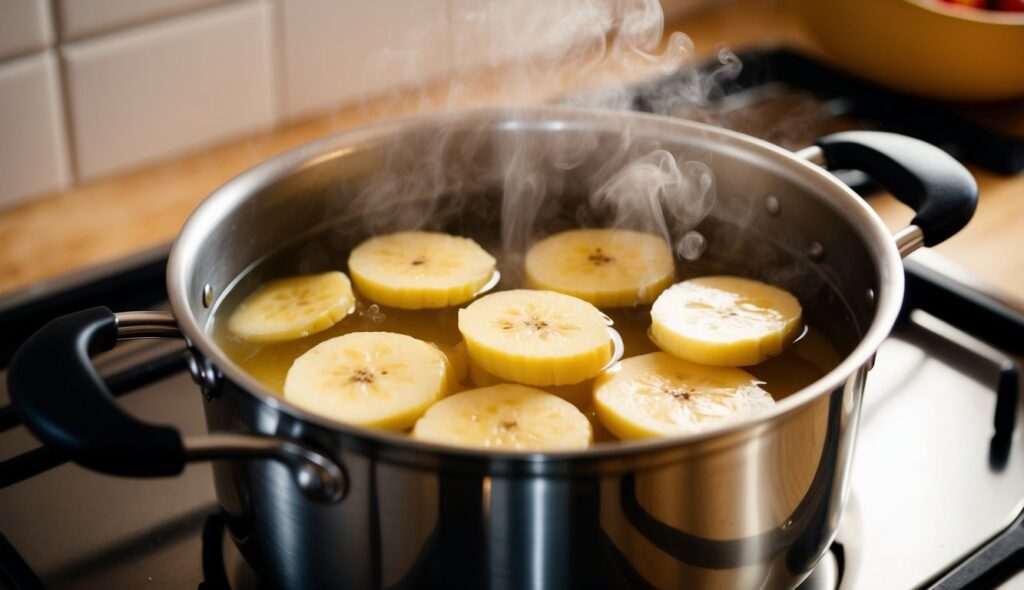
(804, 362)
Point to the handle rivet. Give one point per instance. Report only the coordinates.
(816, 251)
(207, 296)
(869, 298)
(772, 205)
(204, 374)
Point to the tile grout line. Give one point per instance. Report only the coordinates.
(279, 75)
(70, 138)
(449, 69)
(147, 20)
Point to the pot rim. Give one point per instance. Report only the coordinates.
(886, 261)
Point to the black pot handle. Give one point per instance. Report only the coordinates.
(933, 183)
(63, 400)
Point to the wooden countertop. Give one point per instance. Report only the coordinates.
(116, 217)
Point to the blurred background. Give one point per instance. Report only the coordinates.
(117, 117)
(91, 88)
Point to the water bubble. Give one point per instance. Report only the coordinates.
(373, 313)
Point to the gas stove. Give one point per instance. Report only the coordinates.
(936, 493)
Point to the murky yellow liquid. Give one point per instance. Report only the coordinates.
(801, 364)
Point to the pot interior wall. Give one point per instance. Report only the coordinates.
(474, 176)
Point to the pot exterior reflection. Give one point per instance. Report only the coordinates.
(756, 512)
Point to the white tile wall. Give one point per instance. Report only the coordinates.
(33, 152)
(343, 50)
(85, 17)
(147, 80)
(488, 33)
(157, 90)
(24, 26)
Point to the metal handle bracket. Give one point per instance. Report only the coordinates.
(74, 412)
(316, 475)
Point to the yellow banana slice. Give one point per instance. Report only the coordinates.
(457, 359)
(480, 377)
(536, 337)
(294, 307)
(507, 417)
(420, 270)
(724, 321)
(658, 395)
(375, 379)
(607, 267)
(578, 394)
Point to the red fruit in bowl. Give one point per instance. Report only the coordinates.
(1010, 5)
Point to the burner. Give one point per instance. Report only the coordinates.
(811, 97)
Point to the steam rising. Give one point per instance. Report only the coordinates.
(659, 194)
(426, 179)
(639, 36)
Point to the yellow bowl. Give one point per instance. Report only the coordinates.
(923, 47)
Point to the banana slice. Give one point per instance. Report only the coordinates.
(480, 377)
(724, 321)
(457, 359)
(536, 337)
(658, 395)
(607, 267)
(578, 394)
(376, 379)
(420, 270)
(294, 307)
(509, 416)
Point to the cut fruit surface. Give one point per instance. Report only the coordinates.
(607, 267)
(536, 337)
(508, 417)
(659, 395)
(579, 394)
(458, 361)
(420, 270)
(376, 379)
(481, 378)
(725, 321)
(293, 307)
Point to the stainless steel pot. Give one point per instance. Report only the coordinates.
(752, 504)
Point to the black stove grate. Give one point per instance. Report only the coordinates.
(969, 132)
